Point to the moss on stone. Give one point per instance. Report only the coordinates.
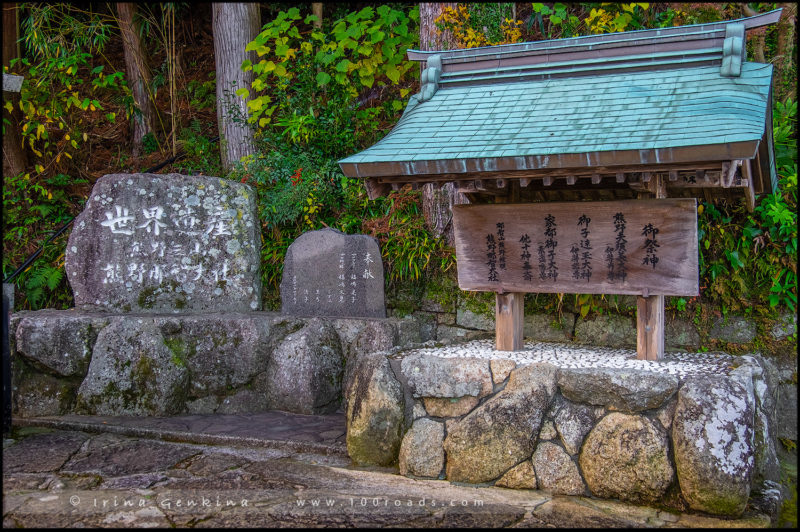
(147, 297)
(177, 347)
(143, 374)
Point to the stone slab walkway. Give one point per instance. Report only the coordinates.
(264, 470)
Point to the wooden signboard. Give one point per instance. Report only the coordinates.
(640, 247)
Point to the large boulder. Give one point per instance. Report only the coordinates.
(166, 243)
(133, 373)
(449, 406)
(432, 376)
(502, 432)
(521, 476)
(680, 334)
(760, 374)
(304, 374)
(363, 337)
(627, 390)
(472, 320)
(786, 326)
(555, 470)
(786, 407)
(573, 422)
(712, 434)
(625, 457)
(40, 394)
(375, 411)
(221, 351)
(421, 453)
(61, 342)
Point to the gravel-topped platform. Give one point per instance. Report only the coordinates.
(681, 364)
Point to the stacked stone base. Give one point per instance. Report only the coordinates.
(702, 441)
(148, 364)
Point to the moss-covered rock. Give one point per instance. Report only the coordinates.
(626, 457)
(375, 410)
(132, 372)
(712, 434)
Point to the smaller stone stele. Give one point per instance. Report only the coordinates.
(329, 273)
(166, 243)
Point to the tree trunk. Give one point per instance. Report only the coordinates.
(784, 87)
(14, 158)
(316, 8)
(138, 76)
(430, 38)
(437, 204)
(235, 25)
(759, 42)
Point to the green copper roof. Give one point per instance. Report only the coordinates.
(632, 111)
(659, 97)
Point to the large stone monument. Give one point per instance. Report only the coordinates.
(329, 273)
(165, 272)
(166, 243)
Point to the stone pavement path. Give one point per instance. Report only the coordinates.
(321, 434)
(62, 477)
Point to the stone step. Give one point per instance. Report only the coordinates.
(318, 434)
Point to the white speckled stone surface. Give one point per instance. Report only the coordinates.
(680, 364)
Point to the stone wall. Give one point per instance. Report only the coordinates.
(701, 439)
(149, 364)
(457, 316)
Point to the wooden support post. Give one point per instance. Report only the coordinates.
(650, 327)
(749, 192)
(509, 319)
(650, 308)
(509, 312)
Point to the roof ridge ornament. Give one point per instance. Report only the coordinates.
(429, 82)
(733, 51)
(429, 79)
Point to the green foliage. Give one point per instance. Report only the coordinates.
(308, 81)
(320, 94)
(34, 207)
(611, 18)
(53, 88)
(784, 134)
(407, 247)
(296, 188)
(490, 18)
(62, 29)
(298, 191)
(202, 95)
(554, 21)
(750, 260)
(60, 40)
(200, 153)
(149, 143)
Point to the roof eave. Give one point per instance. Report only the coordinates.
(545, 163)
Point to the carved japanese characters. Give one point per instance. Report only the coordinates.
(613, 247)
(166, 243)
(329, 273)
